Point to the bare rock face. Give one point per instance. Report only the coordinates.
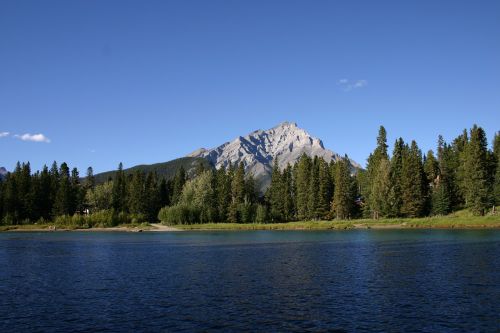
(258, 150)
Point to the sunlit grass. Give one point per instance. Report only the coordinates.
(449, 222)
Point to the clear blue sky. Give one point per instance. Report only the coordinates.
(150, 81)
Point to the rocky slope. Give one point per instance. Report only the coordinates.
(258, 150)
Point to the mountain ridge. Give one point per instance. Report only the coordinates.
(259, 149)
(165, 170)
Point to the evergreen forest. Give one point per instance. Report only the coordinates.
(461, 174)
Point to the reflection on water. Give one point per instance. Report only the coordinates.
(408, 280)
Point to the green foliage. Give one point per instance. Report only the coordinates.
(276, 194)
(373, 169)
(312, 194)
(477, 180)
(394, 199)
(325, 190)
(413, 182)
(343, 197)
(441, 203)
(380, 191)
(302, 180)
(261, 215)
(119, 193)
(179, 214)
(100, 219)
(99, 197)
(464, 174)
(431, 168)
(496, 161)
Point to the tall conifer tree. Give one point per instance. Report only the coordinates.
(413, 182)
(476, 180)
(343, 197)
(302, 181)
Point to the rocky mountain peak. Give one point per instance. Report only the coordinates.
(259, 149)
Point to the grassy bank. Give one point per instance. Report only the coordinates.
(446, 222)
(72, 227)
(459, 220)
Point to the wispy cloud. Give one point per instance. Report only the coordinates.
(4, 134)
(33, 137)
(348, 85)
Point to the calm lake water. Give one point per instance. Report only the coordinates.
(406, 280)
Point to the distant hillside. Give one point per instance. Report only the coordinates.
(165, 170)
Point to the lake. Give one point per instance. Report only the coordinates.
(359, 280)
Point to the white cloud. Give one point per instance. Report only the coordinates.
(348, 85)
(33, 137)
(360, 84)
(4, 134)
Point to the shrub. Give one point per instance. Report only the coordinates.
(261, 214)
(179, 214)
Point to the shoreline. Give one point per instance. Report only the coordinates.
(443, 223)
(154, 227)
(258, 227)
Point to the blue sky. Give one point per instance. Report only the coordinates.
(150, 81)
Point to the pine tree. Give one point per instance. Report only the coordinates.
(275, 194)
(496, 155)
(179, 181)
(152, 197)
(431, 173)
(343, 197)
(289, 193)
(431, 168)
(119, 196)
(137, 194)
(163, 193)
(89, 179)
(394, 201)
(25, 194)
(250, 191)
(374, 160)
(77, 193)
(63, 200)
(302, 180)
(413, 182)
(442, 194)
(237, 194)
(324, 190)
(476, 180)
(223, 194)
(458, 161)
(12, 205)
(313, 195)
(380, 190)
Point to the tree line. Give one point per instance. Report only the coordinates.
(461, 174)
(60, 195)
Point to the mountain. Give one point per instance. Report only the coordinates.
(3, 173)
(166, 169)
(259, 149)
